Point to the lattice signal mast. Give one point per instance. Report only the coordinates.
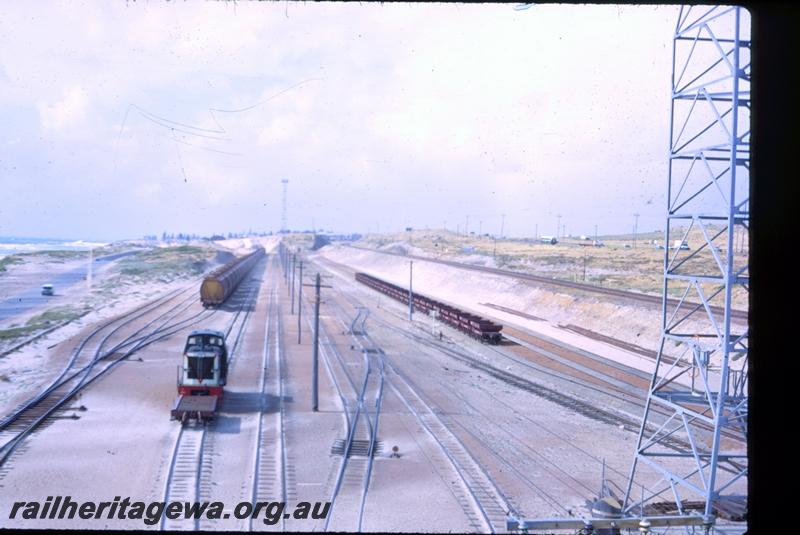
(692, 442)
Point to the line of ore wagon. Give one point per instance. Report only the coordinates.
(222, 282)
(471, 324)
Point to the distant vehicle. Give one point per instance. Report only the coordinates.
(598, 243)
(47, 289)
(548, 239)
(680, 244)
(202, 376)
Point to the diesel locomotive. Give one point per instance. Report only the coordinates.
(202, 376)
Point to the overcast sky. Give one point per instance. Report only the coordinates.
(122, 119)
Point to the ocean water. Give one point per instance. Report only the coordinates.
(13, 245)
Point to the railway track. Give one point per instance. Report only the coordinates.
(483, 504)
(575, 366)
(361, 442)
(490, 505)
(185, 471)
(188, 478)
(83, 370)
(512, 457)
(624, 294)
(359, 445)
(587, 409)
(269, 481)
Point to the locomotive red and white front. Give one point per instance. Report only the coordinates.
(205, 364)
(202, 376)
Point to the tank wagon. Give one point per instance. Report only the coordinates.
(471, 324)
(221, 283)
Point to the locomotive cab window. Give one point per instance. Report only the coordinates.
(200, 368)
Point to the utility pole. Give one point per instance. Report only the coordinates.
(294, 268)
(299, 302)
(536, 232)
(584, 266)
(410, 294)
(283, 209)
(502, 225)
(558, 225)
(286, 268)
(315, 345)
(480, 228)
(635, 228)
(595, 233)
(89, 275)
(466, 227)
(315, 357)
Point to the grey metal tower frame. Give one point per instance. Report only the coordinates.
(692, 441)
(284, 182)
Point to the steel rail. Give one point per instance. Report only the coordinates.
(198, 459)
(55, 383)
(627, 294)
(10, 446)
(351, 424)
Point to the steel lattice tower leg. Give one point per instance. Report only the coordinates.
(692, 443)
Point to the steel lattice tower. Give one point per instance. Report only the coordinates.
(692, 442)
(283, 206)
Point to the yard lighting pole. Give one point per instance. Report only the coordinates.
(466, 226)
(502, 225)
(635, 228)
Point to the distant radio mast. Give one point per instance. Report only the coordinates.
(283, 209)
